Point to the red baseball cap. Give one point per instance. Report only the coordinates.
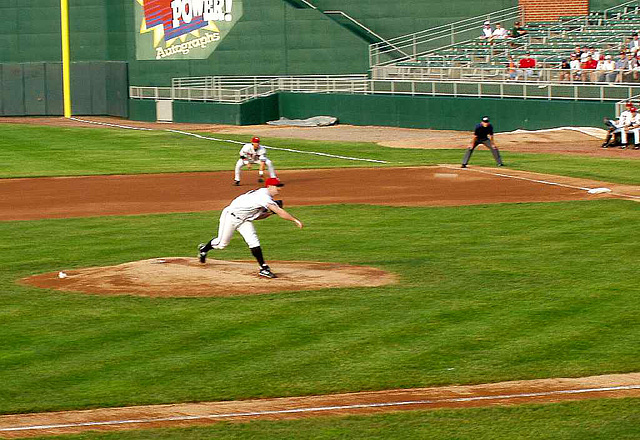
(633, 109)
(255, 140)
(272, 181)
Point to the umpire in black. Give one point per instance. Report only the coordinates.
(483, 134)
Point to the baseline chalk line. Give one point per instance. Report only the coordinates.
(322, 409)
(545, 182)
(209, 138)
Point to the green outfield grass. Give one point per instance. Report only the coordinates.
(593, 420)
(29, 151)
(486, 293)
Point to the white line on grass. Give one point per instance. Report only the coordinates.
(319, 409)
(185, 133)
(545, 182)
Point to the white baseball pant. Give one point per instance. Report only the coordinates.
(230, 223)
(636, 135)
(241, 163)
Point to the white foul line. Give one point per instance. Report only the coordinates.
(316, 153)
(545, 182)
(319, 409)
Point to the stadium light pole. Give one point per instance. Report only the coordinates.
(66, 77)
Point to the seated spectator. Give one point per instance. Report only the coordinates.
(576, 67)
(517, 30)
(634, 45)
(511, 68)
(622, 67)
(584, 54)
(634, 66)
(606, 70)
(577, 51)
(499, 33)
(487, 32)
(588, 69)
(526, 64)
(565, 70)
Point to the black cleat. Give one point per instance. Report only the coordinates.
(636, 147)
(202, 255)
(236, 182)
(500, 164)
(265, 271)
(463, 166)
(260, 180)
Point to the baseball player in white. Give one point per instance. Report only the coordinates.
(634, 128)
(240, 215)
(254, 153)
(620, 126)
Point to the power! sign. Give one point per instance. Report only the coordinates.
(183, 29)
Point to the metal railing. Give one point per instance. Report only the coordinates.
(415, 44)
(247, 81)
(554, 75)
(497, 88)
(621, 105)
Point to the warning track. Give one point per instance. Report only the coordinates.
(141, 417)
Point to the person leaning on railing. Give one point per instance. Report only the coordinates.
(526, 65)
(588, 69)
(565, 70)
(576, 67)
(606, 70)
(511, 68)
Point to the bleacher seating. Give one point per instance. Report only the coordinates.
(548, 42)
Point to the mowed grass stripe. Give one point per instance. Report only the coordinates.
(34, 151)
(487, 293)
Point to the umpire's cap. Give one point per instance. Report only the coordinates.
(485, 119)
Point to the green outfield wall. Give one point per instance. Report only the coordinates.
(35, 89)
(268, 37)
(442, 113)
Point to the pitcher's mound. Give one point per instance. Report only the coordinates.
(186, 277)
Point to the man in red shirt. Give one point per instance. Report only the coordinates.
(589, 69)
(526, 65)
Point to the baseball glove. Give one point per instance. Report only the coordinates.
(279, 203)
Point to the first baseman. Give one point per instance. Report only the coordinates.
(483, 134)
(239, 216)
(253, 153)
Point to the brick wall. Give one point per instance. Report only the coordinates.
(549, 10)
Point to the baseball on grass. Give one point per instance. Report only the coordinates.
(62, 275)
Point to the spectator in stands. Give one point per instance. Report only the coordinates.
(622, 67)
(606, 70)
(517, 30)
(511, 68)
(576, 67)
(634, 65)
(634, 45)
(499, 33)
(565, 70)
(584, 54)
(577, 51)
(487, 32)
(526, 64)
(588, 69)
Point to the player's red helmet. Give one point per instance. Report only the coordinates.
(255, 140)
(633, 109)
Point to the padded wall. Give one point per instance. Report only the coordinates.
(35, 89)
(444, 112)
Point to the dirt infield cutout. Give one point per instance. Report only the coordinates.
(186, 277)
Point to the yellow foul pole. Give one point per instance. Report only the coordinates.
(66, 81)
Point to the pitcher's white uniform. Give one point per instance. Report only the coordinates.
(239, 216)
(249, 155)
